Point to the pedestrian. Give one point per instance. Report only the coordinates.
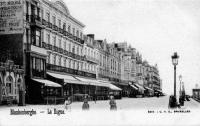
(95, 98)
(112, 103)
(67, 103)
(85, 105)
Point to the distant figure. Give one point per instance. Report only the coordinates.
(85, 104)
(157, 95)
(67, 103)
(95, 98)
(112, 103)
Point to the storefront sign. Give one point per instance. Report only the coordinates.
(11, 16)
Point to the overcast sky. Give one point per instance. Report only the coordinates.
(156, 28)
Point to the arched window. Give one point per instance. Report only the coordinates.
(9, 85)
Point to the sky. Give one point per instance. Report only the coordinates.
(156, 28)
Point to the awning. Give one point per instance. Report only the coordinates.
(140, 87)
(47, 83)
(109, 85)
(113, 87)
(134, 87)
(91, 81)
(148, 88)
(158, 90)
(67, 78)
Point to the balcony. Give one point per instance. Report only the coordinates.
(69, 70)
(55, 48)
(61, 30)
(60, 50)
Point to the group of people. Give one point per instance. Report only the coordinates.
(86, 105)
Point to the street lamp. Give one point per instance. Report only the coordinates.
(175, 62)
(180, 79)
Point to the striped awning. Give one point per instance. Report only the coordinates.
(67, 78)
(140, 86)
(148, 88)
(47, 83)
(134, 87)
(93, 82)
(110, 85)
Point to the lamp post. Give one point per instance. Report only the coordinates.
(180, 79)
(175, 62)
(183, 91)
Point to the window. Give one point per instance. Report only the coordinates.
(69, 63)
(69, 28)
(9, 84)
(59, 61)
(59, 23)
(74, 64)
(64, 45)
(54, 59)
(37, 64)
(81, 35)
(73, 32)
(48, 16)
(48, 38)
(54, 20)
(54, 40)
(69, 47)
(77, 50)
(77, 33)
(73, 49)
(49, 58)
(64, 26)
(64, 60)
(59, 43)
(36, 38)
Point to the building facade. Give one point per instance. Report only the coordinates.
(59, 61)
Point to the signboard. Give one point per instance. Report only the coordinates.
(11, 16)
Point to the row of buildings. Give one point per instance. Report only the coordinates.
(44, 53)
